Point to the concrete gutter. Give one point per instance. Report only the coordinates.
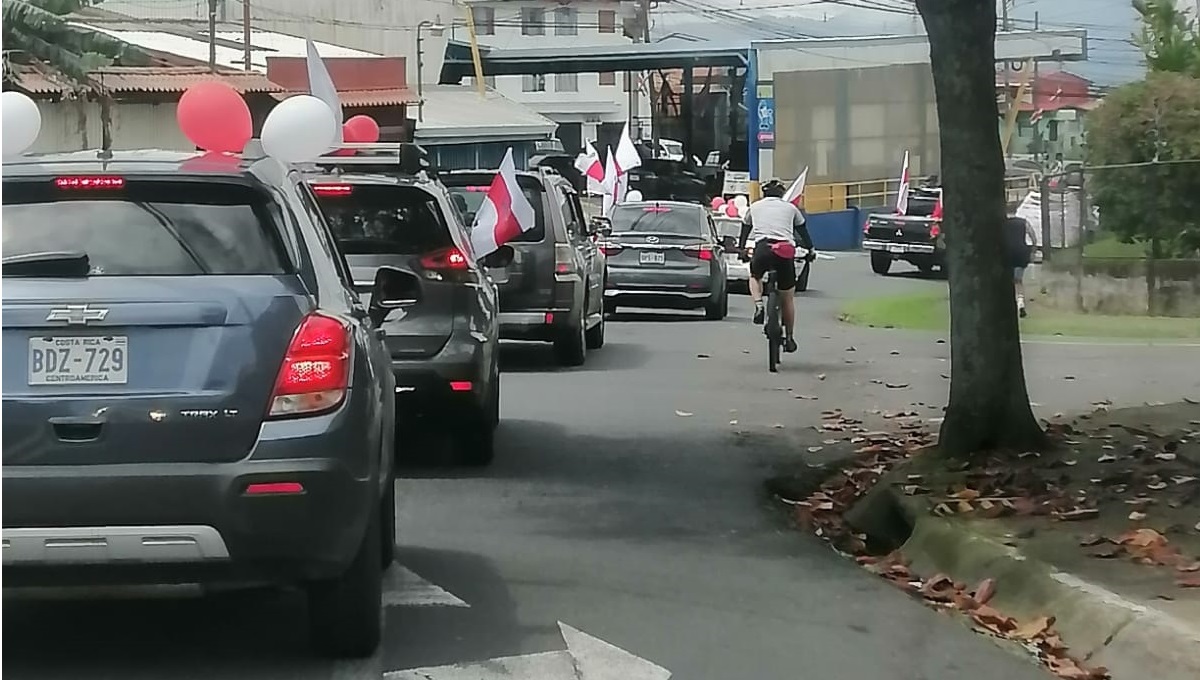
(1133, 640)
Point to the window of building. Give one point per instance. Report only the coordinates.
(533, 21)
(533, 83)
(566, 82)
(608, 78)
(566, 21)
(485, 20)
(607, 20)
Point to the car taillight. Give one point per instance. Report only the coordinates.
(332, 189)
(700, 252)
(316, 368)
(867, 226)
(89, 182)
(935, 230)
(611, 248)
(446, 259)
(563, 260)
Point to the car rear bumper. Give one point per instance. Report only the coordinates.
(184, 522)
(665, 289)
(455, 377)
(539, 325)
(899, 248)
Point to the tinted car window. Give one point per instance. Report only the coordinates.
(657, 219)
(148, 227)
(468, 191)
(385, 219)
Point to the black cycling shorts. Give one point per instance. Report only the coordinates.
(764, 258)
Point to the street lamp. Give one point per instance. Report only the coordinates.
(435, 29)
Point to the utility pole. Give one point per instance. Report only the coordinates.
(645, 11)
(246, 33)
(212, 35)
(1037, 151)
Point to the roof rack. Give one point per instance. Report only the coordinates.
(376, 157)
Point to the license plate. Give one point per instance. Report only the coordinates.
(72, 360)
(652, 257)
(895, 249)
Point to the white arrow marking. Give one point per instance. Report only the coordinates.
(544, 666)
(598, 660)
(403, 588)
(586, 658)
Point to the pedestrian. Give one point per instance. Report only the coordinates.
(1019, 242)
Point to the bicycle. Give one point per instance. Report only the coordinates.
(772, 321)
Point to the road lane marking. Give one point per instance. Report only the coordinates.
(403, 588)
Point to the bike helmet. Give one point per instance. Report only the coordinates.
(774, 189)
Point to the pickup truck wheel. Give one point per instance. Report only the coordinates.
(345, 614)
(595, 335)
(881, 263)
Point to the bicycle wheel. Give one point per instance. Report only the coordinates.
(774, 330)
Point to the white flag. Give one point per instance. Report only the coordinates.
(611, 183)
(628, 157)
(320, 85)
(902, 193)
(795, 193)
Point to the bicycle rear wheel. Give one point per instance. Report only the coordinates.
(773, 328)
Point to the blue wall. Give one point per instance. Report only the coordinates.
(837, 230)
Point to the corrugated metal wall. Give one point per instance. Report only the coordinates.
(851, 125)
(75, 125)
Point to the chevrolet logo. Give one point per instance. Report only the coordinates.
(76, 315)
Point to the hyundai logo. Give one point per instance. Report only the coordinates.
(651, 239)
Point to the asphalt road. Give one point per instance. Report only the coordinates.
(625, 502)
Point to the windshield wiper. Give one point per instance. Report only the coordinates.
(64, 264)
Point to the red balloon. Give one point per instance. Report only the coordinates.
(215, 117)
(730, 210)
(364, 129)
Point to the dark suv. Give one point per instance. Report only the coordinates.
(553, 289)
(193, 393)
(443, 341)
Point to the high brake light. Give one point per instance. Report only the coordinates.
(333, 189)
(89, 182)
(316, 369)
(446, 259)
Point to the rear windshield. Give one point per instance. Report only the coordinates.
(147, 227)
(384, 219)
(468, 191)
(657, 219)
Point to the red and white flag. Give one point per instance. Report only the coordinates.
(505, 213)
(902, 193)
(628, 157)
(592, 168)
(320, 85)
(795, 193)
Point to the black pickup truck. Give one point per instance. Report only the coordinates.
(915, 237)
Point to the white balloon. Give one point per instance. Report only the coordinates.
(22, 122)
(741, 201)
(741, 209)
(298, 129)
(633, 196)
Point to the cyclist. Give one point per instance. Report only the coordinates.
(773, 224)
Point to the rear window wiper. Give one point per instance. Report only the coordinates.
(65, 264)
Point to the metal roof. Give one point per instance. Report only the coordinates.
(131, 79)
(456, 114)
(589, 59)
(390, 96)
(191, 42)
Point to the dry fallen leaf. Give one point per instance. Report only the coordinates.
(984, 591)
(1137, 516)
(1034, 628)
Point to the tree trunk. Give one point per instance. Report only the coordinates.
(989, 404)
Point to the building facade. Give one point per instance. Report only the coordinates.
(586, 106)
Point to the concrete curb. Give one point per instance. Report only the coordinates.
(1132, 640)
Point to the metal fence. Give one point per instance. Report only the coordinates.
(1090, 266)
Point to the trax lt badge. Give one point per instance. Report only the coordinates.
(77, 315)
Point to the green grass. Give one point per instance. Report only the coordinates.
(1110, 247)
(931, 312)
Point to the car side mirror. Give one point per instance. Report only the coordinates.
(600, 225)
(393, 289)
(501, 257)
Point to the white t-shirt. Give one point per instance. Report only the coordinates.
(772, 218)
